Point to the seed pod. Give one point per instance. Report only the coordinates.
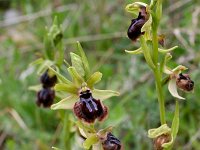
(134, 30)
(88, 109)
(160, 140)
(184, 82)
(47, 80)
(45, 97)
(111, 143)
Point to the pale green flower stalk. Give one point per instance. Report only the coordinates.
(145, 28)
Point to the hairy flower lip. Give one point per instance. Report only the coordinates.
(89, 109)
(47, 80)
(134, 30)
(111, 142)
(45, 97)
(160, 140)
(184, 82)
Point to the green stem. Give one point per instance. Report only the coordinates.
(155, 46)
(67, 141)
(157, 72)
(161, 100)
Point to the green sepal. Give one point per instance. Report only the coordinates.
(93, 139)
(94, 79)
(37, 62)
(77, 79)
(147, 26)
(163, 129)
(84, 60)
(135, 52)
(135, 7)
(59, 76)
(172, 87)
(70, 88)
(55, 148)
(167, 50)
(44, 66)
(35, 87)
(66, 103)
(104, 94)
(77, 63)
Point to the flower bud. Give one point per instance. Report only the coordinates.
(88, 109)
(47, 80)
(45, 97)
(111, 143)
(160, 140)
(134, 30)
(184, 82)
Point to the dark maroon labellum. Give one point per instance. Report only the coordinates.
(89, 109)
(45, 97)
(48, 81)
(184, 82)
(160, 140)
(111, 143)
(134, 30)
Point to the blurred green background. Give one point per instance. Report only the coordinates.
(101, 28)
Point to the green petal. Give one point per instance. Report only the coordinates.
(90, 141)
(70, 88)
(61, 77)
(173, 88)
(75, 76)
(66, 103)
(137, 51)
(167, 50)
(163, 129)
(104, 94)
(94, 79)
(84, 60)
(147, 26)
(77, 64)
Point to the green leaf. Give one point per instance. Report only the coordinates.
(66, 103)
(175, 122)
(77, 64)
(94, 79)
(75, 76)
(84, 60)
(61, 77)
(90, 141)
(137, 51)
(167, 50)
(104, 94)
(70, 88)
(173, 88)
